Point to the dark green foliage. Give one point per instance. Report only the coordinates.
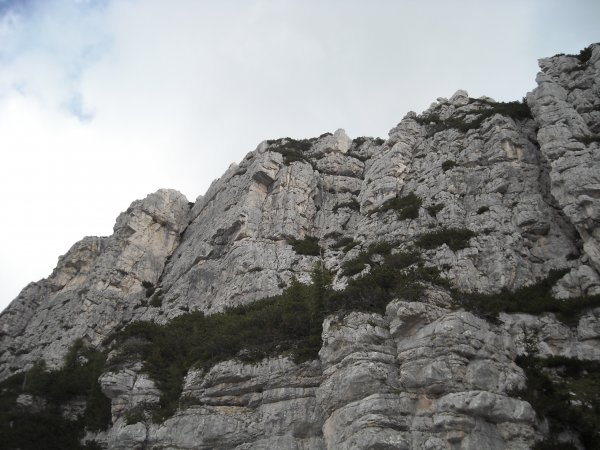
(483, 209)
(149, 288)
(516, 110)
(397, 276)
(552, 444)
(587, 140)
(345, 243)
(156, 300)
(33, 431)
(359, 140)
(289, 323)
(534, 299)
(434, 209)
(362, 139)
(357, 265)
(307, 246)
(455, 238)
(448, 164)
(291, 149)
(553, 384)
(585, 54)
(406, 207)
(352, 204)
(78, 378)
(135, 414)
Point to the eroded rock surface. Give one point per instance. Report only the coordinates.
(420, 376)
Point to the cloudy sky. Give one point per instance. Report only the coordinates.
(105, 101)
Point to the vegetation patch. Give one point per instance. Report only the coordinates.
(455, 238)
(358, 141)
(292, 149)
(364, 258)
(290, 323)
(286, 324)
(351, 204)
(535, 299)
(345, 243)
(149, 288)
(398, 275)
(78, 379)
(434, 209)
(566, 392)
(587, 140)
(583, 56)
(307, 246)
(516, 110)
(406, 207)
(448, 164)
(157, 298)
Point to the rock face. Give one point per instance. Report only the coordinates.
(421, 376)
(96, 285)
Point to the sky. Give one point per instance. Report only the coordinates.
(105, 101)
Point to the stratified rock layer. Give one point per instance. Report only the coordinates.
(421, 376)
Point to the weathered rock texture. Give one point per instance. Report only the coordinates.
(421, 376)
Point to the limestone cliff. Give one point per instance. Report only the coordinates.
(493, 196)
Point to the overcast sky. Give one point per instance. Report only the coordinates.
(105, 101)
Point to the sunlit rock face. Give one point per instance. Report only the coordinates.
(423, 375)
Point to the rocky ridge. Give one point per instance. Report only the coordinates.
(524, 179)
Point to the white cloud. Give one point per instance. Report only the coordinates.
(102, 102)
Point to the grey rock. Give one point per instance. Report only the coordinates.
(424, 375)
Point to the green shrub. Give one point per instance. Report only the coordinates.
(434, 209)
(448, 164)
(77, 378)
(307, 246)
(345, 243)
(149, 288)
(352, 204)
(553, 384)
(398, 276)
(587, 140)
(358, 141)
(358, 264)
(535, 299)
(585, 54)
(362, 139)
(289, 323)
(455, 238)
(516, 110)
(156, 300)
(406, 207)
(291, 149)
(136, 414)
(355, 265)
